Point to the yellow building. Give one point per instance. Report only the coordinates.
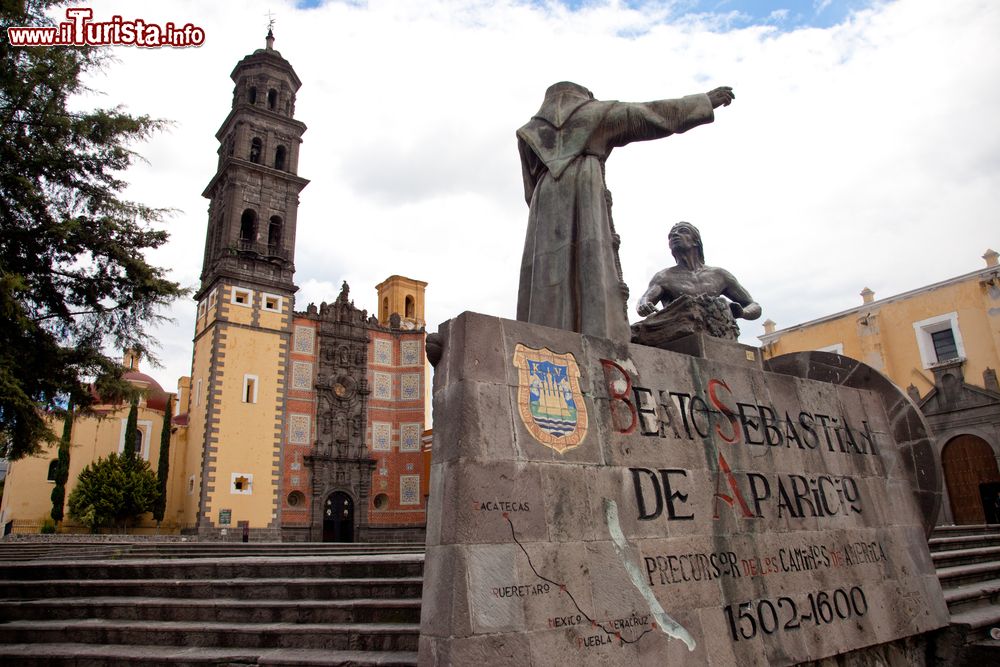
(28, 487)
(941, 343)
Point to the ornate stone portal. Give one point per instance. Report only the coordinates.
(340, 462)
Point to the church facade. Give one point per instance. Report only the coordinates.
(303, 426)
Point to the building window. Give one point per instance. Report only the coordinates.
(242, 297)
(213, 298)
(271, 302)
(253, 95)
(272, 99)
(409, 308)
(248, 227)
(944, 345)
(53, 467)
(190, 486)
(141, 444)
(296, 498)
(939, 339)
(279, 158)
(241, 484)
(250, 388)
(256, 146)
(201, 310)
(274, 233)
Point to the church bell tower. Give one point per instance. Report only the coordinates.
(245, 303)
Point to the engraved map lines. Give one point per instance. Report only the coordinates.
(602, 625)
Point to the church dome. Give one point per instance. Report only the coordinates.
(156, 397)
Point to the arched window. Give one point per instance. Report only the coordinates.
(385, 308)
(53, 469)
(272, 99)
(252, 95)
(279, 158)
(409, 307)
(255, 148)
(248, 226)
(274, 233)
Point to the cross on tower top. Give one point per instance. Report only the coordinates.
(270, 30)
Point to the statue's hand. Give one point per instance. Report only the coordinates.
(736, 309)
(721, 97)
(646, 308)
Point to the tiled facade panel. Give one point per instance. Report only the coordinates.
(300, 431)
(397, 378)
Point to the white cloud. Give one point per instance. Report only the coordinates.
(865, 154)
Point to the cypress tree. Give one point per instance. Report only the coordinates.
(163, 465)
(62, 467)
(131, 431)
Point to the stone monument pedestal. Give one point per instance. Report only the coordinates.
(606, 503)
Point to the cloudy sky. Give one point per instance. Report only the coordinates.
(863, 148)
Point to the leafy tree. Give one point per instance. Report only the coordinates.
(163, 464)
(73, 274)
(113, 490)
(62, 468)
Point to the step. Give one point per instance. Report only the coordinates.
(965, 556)
(337, 637)
(979, 621)
(970, 529)
(939, 544)
(966, 596)
(218, 610)
(240, 589)
(950, 577)
(224, 568)
(37, 655)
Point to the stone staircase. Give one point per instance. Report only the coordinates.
(209, 604)
(967, 559)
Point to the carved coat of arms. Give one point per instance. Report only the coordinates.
(549, 399)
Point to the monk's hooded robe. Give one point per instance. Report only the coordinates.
(569, 276)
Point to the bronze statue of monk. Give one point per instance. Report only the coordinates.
(570, 274)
